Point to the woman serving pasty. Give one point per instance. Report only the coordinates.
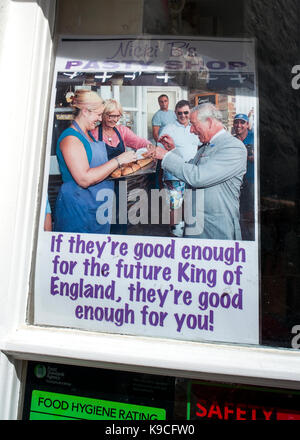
(85, 165)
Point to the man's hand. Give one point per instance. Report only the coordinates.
(167, 142)
(155, 152)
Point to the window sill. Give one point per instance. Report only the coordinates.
(230, 363)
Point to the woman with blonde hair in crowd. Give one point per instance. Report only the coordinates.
(85, 166)
(117, 137)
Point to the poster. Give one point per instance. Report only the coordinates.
(145, 281)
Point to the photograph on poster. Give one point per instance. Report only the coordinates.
(151, 190)
(143, 196)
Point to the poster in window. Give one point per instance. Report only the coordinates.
(153, 235)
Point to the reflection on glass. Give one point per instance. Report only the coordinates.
(128, 96)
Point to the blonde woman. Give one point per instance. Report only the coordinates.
(116, 138)
(84, 165)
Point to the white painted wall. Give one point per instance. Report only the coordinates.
(25, 65)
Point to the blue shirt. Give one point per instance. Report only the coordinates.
(70, 131)
(48, 208)
(186, 143)
(249, 142)
(161, 118)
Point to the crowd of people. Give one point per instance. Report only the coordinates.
(197, 152)
(192, 148)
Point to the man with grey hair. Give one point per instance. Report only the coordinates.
(217, 168)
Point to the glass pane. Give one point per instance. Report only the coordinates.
(128, 96)
(129, 120)
(275, 27)
(66, 392)
(206, 56)
(185, 274)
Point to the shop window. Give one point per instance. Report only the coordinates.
(264, 95)
(65, 392)
(161, 283)
(275, 27)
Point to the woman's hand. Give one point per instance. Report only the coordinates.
(159, 153)
(127, 157)
(150, 151)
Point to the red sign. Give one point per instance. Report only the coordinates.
(221, 402)
(230, 411)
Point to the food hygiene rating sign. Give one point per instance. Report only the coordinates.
(56, 406)
(141, 283)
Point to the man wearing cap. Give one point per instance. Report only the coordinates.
(217, 168)
(243, 133)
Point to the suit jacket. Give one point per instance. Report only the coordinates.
(215, 175)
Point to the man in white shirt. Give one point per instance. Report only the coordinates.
(186, 145)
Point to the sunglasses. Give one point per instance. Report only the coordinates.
(183, 113)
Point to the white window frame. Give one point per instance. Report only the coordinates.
(138, 109)
(24, 113)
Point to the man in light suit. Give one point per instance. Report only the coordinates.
(218, 169)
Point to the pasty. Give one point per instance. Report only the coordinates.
(130, 168)
(117, 173)
(143, 162)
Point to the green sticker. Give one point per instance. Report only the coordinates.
(52, 406)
